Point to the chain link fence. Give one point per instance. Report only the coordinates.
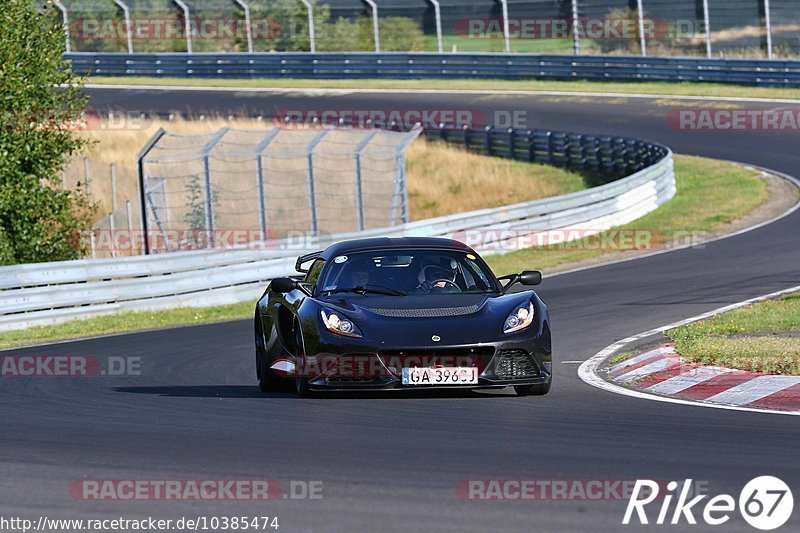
(715, 28)
(110, 187)
(239, 187)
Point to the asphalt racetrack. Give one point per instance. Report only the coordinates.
(392, 463)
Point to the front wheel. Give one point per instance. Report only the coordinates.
(301, 381)
(540, 389)
(267, 380)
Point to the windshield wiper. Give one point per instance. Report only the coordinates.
(373, 289)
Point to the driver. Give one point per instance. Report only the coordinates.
(436, 277)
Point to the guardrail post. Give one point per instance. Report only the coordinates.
(707, 22)
(262, 205)
(511, 147)
(359, 186)
(128, 26)
(506, 32)
(65, 18)
(247, 26)
(376, 32)
(140, 170)
(188, 22)
(642, 36)
(312, 193)
(488, 140)
(576, 32)
(768, 23)
(311, 32)
(437, 10)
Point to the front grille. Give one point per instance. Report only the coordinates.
(467, 356)
(425, 313)
(432, 352)
(515, 364)
(343, 379)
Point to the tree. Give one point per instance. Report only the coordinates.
(41, 107)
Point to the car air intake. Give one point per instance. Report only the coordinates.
(514, 364)
(425, 313)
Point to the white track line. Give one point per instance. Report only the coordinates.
(646, 370)
(640, 358)
(754, 389)
(588, 370)
(334, 91)
(693, 377)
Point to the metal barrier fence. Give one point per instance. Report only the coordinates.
(47, 293)
(268, 183)
(733, 28)
(440, 66)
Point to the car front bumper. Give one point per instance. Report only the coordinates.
(355, 364)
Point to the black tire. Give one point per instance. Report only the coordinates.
(301, 382)
(267, 381)
(539, 389)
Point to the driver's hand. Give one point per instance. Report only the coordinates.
(440, 284)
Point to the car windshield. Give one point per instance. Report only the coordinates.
(406, 272)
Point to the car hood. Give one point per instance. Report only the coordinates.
(414, 319)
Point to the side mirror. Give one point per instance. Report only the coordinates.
(283, 285)
(530, 277)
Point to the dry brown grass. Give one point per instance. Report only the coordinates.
(442, 179)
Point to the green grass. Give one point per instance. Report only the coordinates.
(125, 322)
(737, 339)
(496, 43)
(710, 195)
(621, 357)
(677, 89)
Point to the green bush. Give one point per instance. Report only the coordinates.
(41, 104)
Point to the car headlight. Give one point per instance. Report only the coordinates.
(519, 319)
(339, 324)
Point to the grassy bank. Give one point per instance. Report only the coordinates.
(677, 89)
(710, 195)
(764, 337)
(125, 322)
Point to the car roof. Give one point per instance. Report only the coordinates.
(386, 243)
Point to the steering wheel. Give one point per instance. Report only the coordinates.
(446, 282)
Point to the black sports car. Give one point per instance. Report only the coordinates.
(408, 313)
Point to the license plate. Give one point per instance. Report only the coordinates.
(440, 376)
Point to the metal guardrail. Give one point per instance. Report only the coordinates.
(398, 65)
(47, 293)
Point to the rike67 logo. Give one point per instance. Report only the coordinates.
(765, 503)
